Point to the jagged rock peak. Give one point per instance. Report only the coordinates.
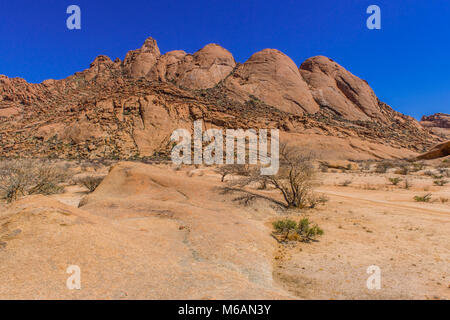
(138, 63)
(151, 45)
(201, 70)
(100, 59)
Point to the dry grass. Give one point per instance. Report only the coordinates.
(24, 177)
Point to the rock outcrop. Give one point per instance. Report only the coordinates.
(139, 62)
(145, 233)
(202, 70)
(438, 123)
(439, 151)
(338, 90)
(272, 77)
(438, 120)
(127, 109)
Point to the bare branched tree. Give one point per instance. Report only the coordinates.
(295, 177)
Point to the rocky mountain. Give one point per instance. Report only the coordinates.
(438, 123)
(129, 108)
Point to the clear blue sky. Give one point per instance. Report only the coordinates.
(407, 62)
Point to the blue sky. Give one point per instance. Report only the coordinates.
(407, 62)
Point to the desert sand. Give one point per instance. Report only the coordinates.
(160, 232)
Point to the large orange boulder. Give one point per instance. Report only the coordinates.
(336, 89)
(272, 77)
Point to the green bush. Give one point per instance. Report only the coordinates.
(440, 182)
(395, 181)
(284, 225)
(425, 198)
(302, 231)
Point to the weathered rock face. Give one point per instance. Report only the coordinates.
(438, 120)
(129, 109)
(202, 70)
(272, 77)
(336, 89)
(138, 62)
(102, 68)
(438, 123)
(439, 151)
(148, 222)
(166, 68)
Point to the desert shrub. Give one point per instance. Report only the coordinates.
(23, 177)
(91, 182)
(403, 170)
(444, 172)
(316, 200)
(346, 183)
(283, 226)
(47, 180)
(302, 231)
(417, 166)
(440, 182)
(428, 173)
(382, 167)
(12, 188)
(295, 178)
(444, 164)
(368, 186)
(425, 198)
(395, 181)
(443, 200)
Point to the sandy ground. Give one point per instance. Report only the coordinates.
(152, 232)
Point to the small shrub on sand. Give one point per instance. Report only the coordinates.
(445, 164)
(395, 181)
(417, 166)
(382, 167)
(346, 183)
(289, 230)
(443, 200)
(317, 200)
(440, 182)
(428, 173)
(425, 198)
(403, 170)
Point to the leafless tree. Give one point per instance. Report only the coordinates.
(295, 178)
